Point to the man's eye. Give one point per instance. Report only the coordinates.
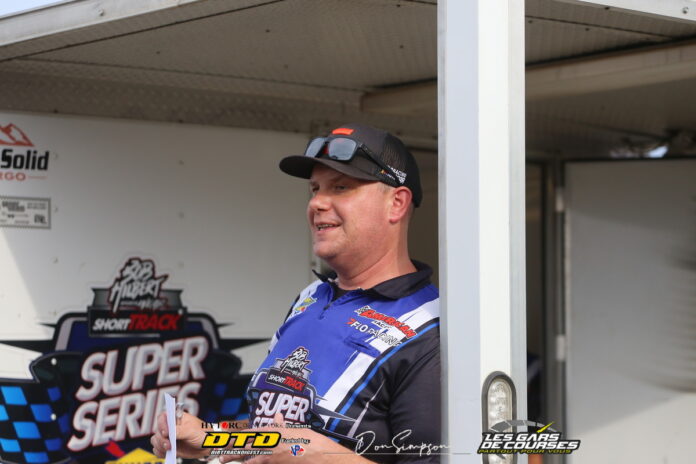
(340, 187)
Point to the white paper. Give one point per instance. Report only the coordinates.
(170, 408)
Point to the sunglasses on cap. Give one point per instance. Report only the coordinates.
(344, 149)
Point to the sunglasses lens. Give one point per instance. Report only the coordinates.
(342, 149)
(314, 147)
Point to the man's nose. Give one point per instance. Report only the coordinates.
(319, 201)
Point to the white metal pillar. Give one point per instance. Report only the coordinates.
(481, 207)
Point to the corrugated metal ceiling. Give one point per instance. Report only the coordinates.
(336, 44)
(560, 30)
(592, 125)
(301, 65)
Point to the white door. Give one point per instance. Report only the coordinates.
(631, 310)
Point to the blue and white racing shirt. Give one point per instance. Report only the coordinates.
(363, 368)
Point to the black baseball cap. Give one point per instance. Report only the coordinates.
(388, 149)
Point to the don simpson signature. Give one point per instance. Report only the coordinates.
(366, 440)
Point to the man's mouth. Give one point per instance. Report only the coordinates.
(324, 226)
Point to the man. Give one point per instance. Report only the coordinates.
(357, 359)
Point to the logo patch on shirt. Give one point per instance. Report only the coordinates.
(379, 334)
(291, 373)
(296, 362)
(304, 304)
(384, 321)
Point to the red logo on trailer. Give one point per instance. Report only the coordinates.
(14, 136)
(19, 160)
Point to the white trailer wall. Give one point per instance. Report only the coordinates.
(631, 243)
(207, 204)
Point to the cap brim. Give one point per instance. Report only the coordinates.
(302, 166)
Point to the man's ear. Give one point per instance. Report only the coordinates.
(400, 202)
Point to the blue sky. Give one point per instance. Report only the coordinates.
(15, 6)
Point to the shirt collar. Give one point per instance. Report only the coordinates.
(395, 288)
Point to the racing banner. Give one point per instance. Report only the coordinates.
(100, 382)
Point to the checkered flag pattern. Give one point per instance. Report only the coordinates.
(34, 415)
(33, 423)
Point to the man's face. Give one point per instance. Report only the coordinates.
(347, 216)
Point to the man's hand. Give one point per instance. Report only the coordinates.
(189, 437)
(320, 449)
